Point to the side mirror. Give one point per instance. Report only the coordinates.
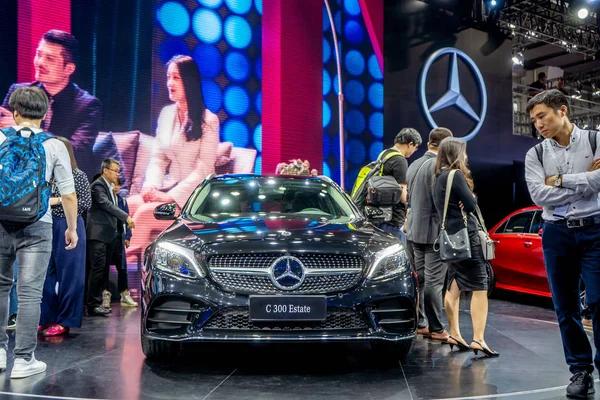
(165, 211)
(374, 214)
(540, 231)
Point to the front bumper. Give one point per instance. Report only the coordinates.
(177, 309)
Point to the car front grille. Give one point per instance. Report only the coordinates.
(249, 273)
(265, 260)
(263, 285)
(239, 319)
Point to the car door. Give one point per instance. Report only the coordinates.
(512, 265)
(533, 261)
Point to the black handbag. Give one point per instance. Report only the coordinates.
(455, 247)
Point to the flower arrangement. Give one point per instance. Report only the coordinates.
(296, 167)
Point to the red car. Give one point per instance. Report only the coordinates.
(519, 262)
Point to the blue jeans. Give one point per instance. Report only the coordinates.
(12, 296)
(571, 255)
(31, 247)
(394, 230)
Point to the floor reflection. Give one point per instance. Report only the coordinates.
(104, 360)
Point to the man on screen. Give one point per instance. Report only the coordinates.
(74, 113)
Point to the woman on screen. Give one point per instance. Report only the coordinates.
(185, 150)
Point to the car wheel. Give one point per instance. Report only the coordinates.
(398, 350)
(159, 349)
(491, 278)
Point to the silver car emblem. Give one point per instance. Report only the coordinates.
(453, 96)
(287, 273)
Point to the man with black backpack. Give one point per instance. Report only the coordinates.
(28, 159)
(405, 144)
(563, 176)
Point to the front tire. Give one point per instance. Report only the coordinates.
(159, 349)
(398, 350)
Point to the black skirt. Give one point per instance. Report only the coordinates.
(471, 274)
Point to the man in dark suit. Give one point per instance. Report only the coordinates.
(103, 218)
(73, 113)
(423, 227)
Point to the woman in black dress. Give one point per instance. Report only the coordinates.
(468, 275)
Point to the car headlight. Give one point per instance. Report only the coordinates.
(177, 260)
(389, 263)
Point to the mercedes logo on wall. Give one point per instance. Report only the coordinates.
(287, 273)
(453, 96)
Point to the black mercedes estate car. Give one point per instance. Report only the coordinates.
(274, 258)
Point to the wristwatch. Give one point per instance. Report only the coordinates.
(558, 181)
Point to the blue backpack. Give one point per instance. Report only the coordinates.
(24, 191)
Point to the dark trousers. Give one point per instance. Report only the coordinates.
(410, 253)
(99, 257)
(434, 270)
(571, 254)
(63, 305)
(118, 260)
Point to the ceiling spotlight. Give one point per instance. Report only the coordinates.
(518, 58)
(583, 13)
(493, 3)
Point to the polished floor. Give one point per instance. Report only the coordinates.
(103, 360)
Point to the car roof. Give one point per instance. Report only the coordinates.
(259, 176)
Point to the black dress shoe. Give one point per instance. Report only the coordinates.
(582, 385)
(99, 311)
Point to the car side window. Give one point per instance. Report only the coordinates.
(502, 227)
(537, 223)
(519, 223)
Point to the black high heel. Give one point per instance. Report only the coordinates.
(488, 352)
(461, 345)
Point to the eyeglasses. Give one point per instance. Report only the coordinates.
(118, 171)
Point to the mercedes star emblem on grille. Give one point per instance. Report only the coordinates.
(287, 273)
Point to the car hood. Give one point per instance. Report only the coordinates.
(281, 234)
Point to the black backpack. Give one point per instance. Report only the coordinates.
(372, 188)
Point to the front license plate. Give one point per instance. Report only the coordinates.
(288, 308)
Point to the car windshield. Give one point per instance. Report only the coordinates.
(269, 197)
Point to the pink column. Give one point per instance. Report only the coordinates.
(35, 17)
(372, 11)
(292, 64)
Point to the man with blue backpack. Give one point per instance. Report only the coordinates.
(29, 157)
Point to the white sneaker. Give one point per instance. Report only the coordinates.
(126, 300)
(106, 297)
(2, 360)
(23, 369)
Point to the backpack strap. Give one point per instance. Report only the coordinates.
(593, 141)
(382, 159)
(10, 131)
(539, 150)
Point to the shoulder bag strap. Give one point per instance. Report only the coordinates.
(447, 200)
(480, 219)
(417, 175)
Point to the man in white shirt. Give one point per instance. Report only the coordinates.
(31, 245)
